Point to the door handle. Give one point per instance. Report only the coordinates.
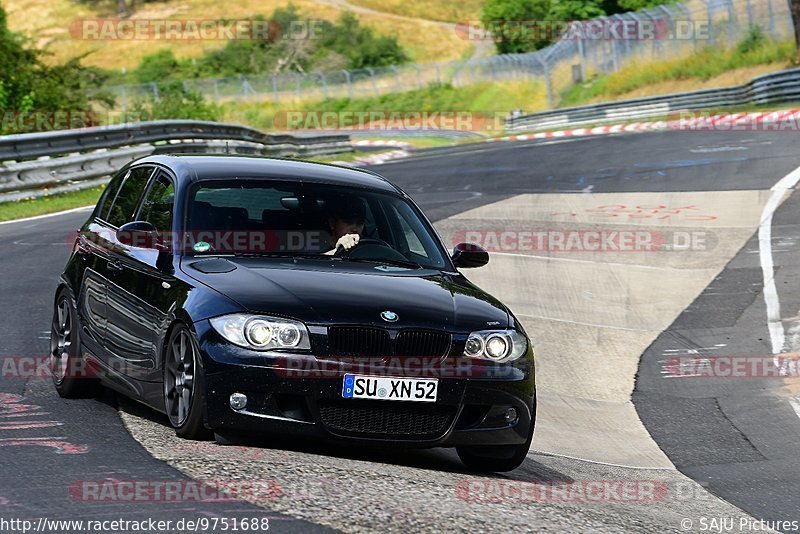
(115, 266)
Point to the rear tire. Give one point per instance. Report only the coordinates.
(71, 377)
(184, 387)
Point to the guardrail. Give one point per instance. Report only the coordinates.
(776, 87)
(73, 159)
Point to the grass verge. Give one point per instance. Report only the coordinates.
(488, 102)
(696, 68)
(49, 204)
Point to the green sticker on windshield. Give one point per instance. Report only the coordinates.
(202, 246)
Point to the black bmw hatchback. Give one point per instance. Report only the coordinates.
(245, 295)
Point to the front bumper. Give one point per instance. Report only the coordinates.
(288, 398)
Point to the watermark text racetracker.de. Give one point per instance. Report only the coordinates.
(110, 491)
(382, 120)
(498, 491)
(115, 491)
(601, 29)
(297, 366)
(488, 492)
(586, 240)
(144, 29)
(786, 120)
(694, 366)
(493, 240)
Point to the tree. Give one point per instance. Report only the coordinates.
(28, 85)
(796, 20)
(568, 10)
(360, 45)
(505, 20)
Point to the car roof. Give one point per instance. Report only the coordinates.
(194, 167)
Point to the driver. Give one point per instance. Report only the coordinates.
(346, 223)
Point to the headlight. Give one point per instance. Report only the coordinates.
(260, 332)
(496, 345)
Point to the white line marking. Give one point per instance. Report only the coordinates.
(795, 402)
(774, 324)
(580, 323)
(629, 265)
(534, 452)
(47, 215)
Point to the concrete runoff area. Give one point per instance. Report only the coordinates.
(592, 313)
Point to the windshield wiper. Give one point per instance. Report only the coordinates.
(400, 263)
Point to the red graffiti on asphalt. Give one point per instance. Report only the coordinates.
(644, 211)
(15, 415)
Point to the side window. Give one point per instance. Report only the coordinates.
(157, 206)
(128, 197)
(108, 195)
(414, 244)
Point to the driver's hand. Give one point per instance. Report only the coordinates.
(347, 241)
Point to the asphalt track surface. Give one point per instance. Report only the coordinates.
(737, 438)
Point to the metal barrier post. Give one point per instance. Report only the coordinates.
(580, 54)
(710, 18)
(771, 18)
(349, 84)
(548, 83)
(731, 22)
(324, 85)
(372, 77)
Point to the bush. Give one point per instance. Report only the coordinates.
(344, 44)
(754, 40)
(175, 102)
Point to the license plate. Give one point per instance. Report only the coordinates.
(387, 388)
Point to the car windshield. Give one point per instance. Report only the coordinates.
(288, 218)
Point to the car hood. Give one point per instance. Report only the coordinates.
(326, 292)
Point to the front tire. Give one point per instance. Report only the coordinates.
(184, 388)
(69, 372)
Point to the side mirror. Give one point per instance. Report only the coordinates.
(467, 255)
(140, 234)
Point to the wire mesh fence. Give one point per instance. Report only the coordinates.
(586, 48)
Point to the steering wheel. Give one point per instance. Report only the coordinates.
(363, 241)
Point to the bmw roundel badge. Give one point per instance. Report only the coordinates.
(389, 316)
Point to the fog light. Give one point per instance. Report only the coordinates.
(238, 401)
(511, 416)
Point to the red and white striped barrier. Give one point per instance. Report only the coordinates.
(782, 120)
